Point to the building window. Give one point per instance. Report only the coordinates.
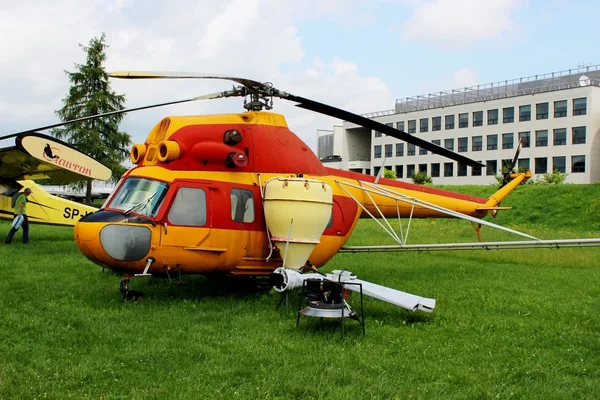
(541, 111)
(376, 170)
(476, 171)
(377, 134)
(492, 142)
(491, 166)
(477, 143)
(449, 121)
(578, 135)
(462, 169)
(388, 150)
(580, 106)
(506, 165)
(422, 151)
(559, 164)
(410, 149)
(523, 164)
(410, 170)
(508, 114)
(508, 140)
(541, 138)
(463, 144)
(478, 118)
(525, 138)
(541, 165)
(560, 109)
(400, 125)
(423, 168)
(423, 124)
(399, 171)
(448, 169)
(577, 164)
(560, 137)
(525, 113)
(435, 170)
(412, 126)
(399, 149)
(436, 142)
(463, 120)
(377, 151)
(493, 117)
(436, 123)
(449, 144)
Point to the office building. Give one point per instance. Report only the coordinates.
(556, 115)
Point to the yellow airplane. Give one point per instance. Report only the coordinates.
(38, 156)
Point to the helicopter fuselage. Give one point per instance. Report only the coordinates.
(194, 201)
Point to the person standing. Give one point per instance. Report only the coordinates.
(20, 210)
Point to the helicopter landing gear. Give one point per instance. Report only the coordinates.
(133, 295)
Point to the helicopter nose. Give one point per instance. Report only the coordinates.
(109, 242)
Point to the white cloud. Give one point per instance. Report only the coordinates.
(458, 23)
(465, 77)
(258, 39)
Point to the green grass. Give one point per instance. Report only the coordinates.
(508, 324)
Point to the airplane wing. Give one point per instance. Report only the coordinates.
(37, 156)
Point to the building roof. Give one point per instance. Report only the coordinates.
(560, 80)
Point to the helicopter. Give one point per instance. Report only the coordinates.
(241, 195)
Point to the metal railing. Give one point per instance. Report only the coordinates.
(549, 82)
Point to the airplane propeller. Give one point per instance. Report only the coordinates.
(261, 97)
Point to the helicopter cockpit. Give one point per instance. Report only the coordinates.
(140, 195)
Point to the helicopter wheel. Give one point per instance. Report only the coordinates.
(133, 295)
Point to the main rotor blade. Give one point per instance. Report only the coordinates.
(73, 121)
(182, 75)
(377, 126)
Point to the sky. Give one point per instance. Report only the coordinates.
(357, 55)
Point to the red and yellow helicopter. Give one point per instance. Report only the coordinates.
(242, 195)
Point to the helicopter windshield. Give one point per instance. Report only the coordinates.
(140, 195)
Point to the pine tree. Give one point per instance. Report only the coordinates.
(90, 94)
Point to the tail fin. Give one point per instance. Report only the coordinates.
(510, 180)
(515, 180)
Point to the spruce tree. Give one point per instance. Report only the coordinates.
(90, 94)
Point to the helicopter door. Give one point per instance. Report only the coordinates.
(187, 222)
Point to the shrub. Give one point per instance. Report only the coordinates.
(389, 174)
(553, 178)
(421, 178)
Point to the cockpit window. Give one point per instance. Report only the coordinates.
(140, 195)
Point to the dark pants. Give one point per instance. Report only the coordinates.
(24, 226)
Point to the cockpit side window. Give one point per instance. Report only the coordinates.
(188, 208)
(242, 205)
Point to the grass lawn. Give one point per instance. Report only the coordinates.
(521, 324)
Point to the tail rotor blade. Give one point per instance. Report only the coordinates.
(512, 165)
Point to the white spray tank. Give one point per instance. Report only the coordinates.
(297, 211)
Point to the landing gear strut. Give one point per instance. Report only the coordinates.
(129, 294)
